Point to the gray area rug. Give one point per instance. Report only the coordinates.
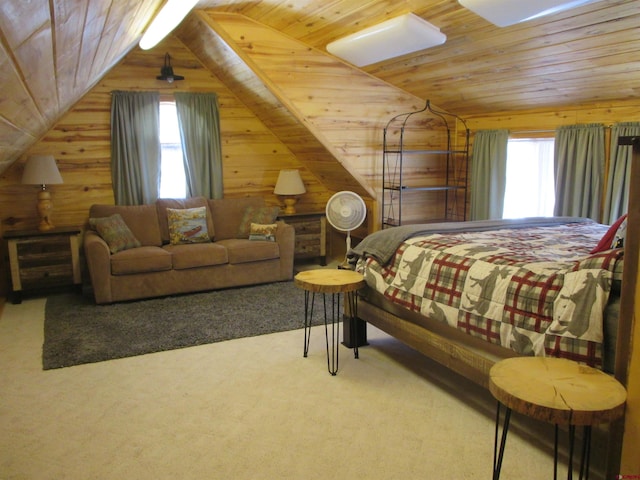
(77, 331)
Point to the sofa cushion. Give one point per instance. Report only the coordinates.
(187, 225)
(227, 213)
(142, 220)
(140, 260)
(180, 203)
(115, 232)
(197, 255)
(243, 250)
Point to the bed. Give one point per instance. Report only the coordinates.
(470, 293)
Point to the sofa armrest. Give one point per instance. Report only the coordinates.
(98, 257)
(286, 239)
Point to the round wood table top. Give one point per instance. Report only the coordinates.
(557, 390)
(329, 280)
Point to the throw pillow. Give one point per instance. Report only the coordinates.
(178, 204)
(621, 235)
(609, 239)
(115, 232)
(187, 225)
(261, 215)
(259, 231)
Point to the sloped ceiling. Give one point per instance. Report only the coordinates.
(52, 53)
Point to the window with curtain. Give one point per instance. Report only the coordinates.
(530, 185)
(173, 183)
(136, 146)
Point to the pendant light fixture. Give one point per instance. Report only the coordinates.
(166, 72)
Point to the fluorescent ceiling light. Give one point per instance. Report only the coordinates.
(169, 18)
(398, 36)
(507, 12)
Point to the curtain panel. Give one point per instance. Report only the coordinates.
(488, 174)
(135, 147)
(199, 121)
(579, 159)
(616, 201)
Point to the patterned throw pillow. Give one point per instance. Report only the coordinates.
(263, 232)
(261, 215)
(115, 232)
(187, 225)
(621, 235)
(614, 237)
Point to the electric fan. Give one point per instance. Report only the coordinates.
(345, 212)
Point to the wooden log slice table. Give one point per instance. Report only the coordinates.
(558, 391)
(334, 282)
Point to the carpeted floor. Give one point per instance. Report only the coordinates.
(78, 331)
(250, 409)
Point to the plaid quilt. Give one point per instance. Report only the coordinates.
(535, 290)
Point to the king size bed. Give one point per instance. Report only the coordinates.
(470, 293)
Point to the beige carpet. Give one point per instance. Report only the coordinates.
(251, 408)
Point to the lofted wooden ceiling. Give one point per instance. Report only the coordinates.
(52, 53)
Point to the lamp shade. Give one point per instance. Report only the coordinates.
(503, 13)
(392, 38)
(289, 183)
(41, 170)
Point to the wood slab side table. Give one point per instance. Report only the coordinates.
(335, 282)
(558, 391)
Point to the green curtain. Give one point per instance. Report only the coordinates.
(488, 174)
(616, 201)
(135, 147)
(579, 169)
(199, 122)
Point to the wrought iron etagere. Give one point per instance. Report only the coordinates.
(455, 164)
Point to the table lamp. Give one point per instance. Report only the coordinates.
(289, 186)
(42, 170)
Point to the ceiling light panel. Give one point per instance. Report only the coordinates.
(401, 35)
(503, 13)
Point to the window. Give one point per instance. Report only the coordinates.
(173, 182)
(530, 190)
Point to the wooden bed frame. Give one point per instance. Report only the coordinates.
(473, 358)
(470, 357)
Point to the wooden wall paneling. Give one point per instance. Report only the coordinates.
(80, 142)
(94, 26)
(69, 18)
(17, 107)
(565, 58)
(224, 62)
(350, 130)
(35, 59)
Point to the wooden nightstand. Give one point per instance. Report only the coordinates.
(311, 234)
(41, 260)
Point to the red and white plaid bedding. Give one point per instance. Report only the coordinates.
(534, 290)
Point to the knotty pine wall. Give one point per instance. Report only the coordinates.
(80, 142)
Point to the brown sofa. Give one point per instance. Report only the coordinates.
(158, 268)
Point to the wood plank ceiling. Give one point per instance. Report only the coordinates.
(52, 53)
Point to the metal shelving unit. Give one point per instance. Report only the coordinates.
(454, 161)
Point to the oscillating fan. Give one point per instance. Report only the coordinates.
(345, 212)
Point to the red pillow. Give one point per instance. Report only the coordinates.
(607, 239)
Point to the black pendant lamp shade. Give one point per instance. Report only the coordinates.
(166, 72)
